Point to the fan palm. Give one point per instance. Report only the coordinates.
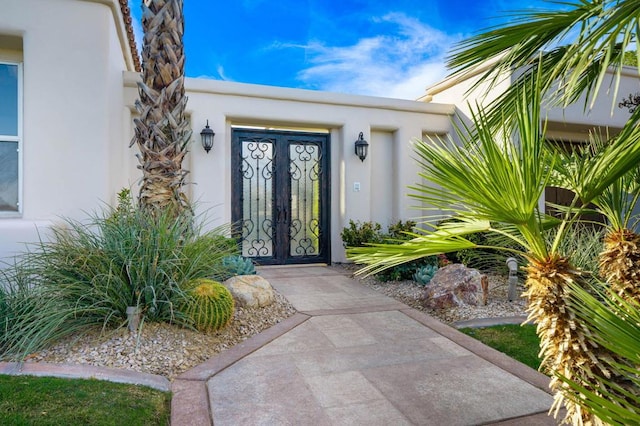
(162, 132)
(619, 262)
(613, 316)
(571, 48)
(493, 184)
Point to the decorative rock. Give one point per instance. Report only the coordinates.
(454, 286)
(251, 291)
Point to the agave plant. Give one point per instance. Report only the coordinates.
(162, 132)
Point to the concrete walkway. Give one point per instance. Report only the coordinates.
(352, 356)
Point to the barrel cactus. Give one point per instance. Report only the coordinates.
(424, 275)
(208, 304)
(238, 265)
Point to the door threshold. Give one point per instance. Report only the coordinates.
(299, 265)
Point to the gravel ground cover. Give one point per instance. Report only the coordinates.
(163, 349)
(169, 350)
(410, 293)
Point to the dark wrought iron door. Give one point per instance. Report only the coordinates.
(280, 195)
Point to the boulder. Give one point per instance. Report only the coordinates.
(452, 286)
(251, 291)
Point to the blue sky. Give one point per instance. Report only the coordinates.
(390, 48)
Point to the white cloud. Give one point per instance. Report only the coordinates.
(399, 64)
(220, 75)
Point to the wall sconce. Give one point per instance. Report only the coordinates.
(207, 137)
(361, 147)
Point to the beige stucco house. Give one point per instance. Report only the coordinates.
(283, 159)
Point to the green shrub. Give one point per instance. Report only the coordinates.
(129, 260)
(583, 244)
(30, 316)
(360, 234)
(208, 306)
(90, 272)
(398, 230)
(405, 271)
(237, 265)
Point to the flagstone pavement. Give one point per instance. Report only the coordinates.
(352, 356)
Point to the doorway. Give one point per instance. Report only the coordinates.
(280, 195)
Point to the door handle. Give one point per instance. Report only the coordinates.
(282, 214)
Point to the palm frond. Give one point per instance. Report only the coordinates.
(448, 238)
(610, 408)
(571, 47)
(490, 177)
(604, 173)
(614, 324)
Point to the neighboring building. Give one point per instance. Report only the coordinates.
(68, 71)
(566, 127)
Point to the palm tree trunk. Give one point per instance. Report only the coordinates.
(161, 132)
(620, 263)
(565, 345)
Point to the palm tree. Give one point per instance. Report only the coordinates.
(493, 184)
(619, 262)
(161, 132)
(569, 50)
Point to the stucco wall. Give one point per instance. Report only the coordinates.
(574, 119)
(388, 125)
(605, 111)
(72, 109)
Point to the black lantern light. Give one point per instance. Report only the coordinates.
(207, 137)
(361, 147)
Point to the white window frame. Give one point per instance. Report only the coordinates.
(18, 138)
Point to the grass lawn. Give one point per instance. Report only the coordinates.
(27, 400)
(519, 342)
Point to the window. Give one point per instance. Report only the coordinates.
(10, 79)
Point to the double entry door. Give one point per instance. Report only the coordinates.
(280, 195)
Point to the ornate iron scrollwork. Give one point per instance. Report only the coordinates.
(305, 160)
(257, 175)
